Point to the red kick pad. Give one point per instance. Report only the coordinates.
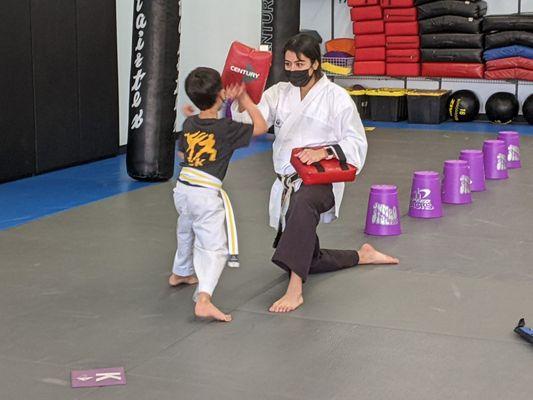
(376, 40)
(510, 73)
(512, 62)
(403, 55)
(453, 70)
(357, 3)
(401, 28)
(369, 68)
(403, 42)
(367, 27)
(403, 69)
(366, 13)
(400, 14)
(322, 172)
(370, 54)
(245, 64)
(397, 3)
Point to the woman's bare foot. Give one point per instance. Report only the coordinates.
(369, 255)
(176, 280)
(293, 297)
(205, 309)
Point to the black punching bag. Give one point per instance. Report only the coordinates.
(155, 49)
(280, 20)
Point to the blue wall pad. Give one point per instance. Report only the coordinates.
(43, 195)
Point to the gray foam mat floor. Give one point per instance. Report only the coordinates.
(87, 289)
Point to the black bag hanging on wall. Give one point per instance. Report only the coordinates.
(151, 142)
(280, 20)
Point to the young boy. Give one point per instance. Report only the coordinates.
(207, 144)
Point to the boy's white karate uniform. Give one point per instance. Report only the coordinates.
(205, 221)
(326, 116)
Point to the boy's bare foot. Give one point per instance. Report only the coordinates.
(369, 255)
(176, 280)
(205, 309)
(293, 297)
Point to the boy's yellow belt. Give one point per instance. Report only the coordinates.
(199, 178)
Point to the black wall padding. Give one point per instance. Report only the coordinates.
(280, 19)
(56, 83)
(511, 22)
(150, 154)
(508, 38)
(98, 79)
(452, 7)
(450, 24)
(452, 55)
(17, 144)
(452, 41)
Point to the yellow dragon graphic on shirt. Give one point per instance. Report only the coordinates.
(200, 147)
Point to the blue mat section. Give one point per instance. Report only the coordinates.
(32, 198)
(508, 51)
(484, 127)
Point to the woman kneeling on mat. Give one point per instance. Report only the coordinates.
(309, 111)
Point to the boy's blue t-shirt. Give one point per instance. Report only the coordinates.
(208, 144)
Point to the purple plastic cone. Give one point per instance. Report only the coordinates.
(512, 143)
(477, 169)
(425, 195)
(495, 159)
(456, 182)
(383, 213)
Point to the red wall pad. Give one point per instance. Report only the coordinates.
(403, 56)
(366, 27)
(369, 68)
(400, 14)
(401, 28)
(453, 70)
(510, 73)
(402, 69)
(370, 54)
(512, 62)
(376, 40)
(397, 3)
(366, 13)
(403, 42)
(360, 3)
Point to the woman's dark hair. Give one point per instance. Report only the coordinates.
(202, 86)
(304, 44)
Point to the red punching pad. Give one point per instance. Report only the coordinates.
(245, 64)
(323, 172)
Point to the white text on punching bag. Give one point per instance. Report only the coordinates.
(140, 24)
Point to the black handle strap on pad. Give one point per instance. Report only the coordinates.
(341, 156)
(319, 167)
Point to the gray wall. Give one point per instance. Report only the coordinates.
(209, 27)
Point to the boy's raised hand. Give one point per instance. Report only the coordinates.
(234, 91)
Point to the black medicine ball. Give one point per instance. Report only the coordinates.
(527, 109)
(463, 106)
(502, 107)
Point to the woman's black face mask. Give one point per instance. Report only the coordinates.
(298, 78)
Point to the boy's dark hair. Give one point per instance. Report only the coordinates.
(202, 86)
(304, 44)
